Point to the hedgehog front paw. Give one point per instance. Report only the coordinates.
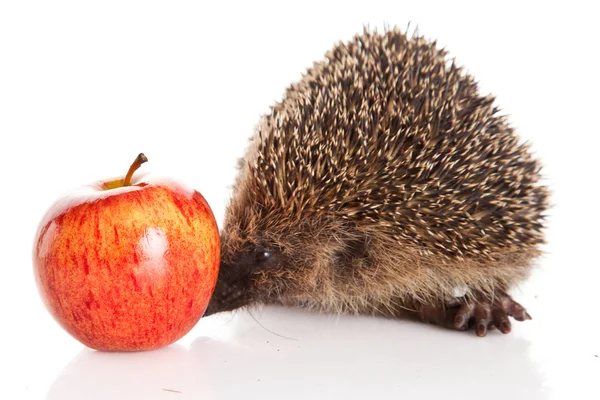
(483, 315)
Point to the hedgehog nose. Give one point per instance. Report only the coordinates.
(214, 306)
(211, 309)
(220, 294)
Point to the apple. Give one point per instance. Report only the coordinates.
(128, 265)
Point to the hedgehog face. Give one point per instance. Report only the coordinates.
(294, 265)
(251, 271)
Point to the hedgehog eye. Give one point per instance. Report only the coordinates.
(262, 255)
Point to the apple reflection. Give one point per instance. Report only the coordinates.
(138, 375)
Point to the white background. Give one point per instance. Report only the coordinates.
(85, 86)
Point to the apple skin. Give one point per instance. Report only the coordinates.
(128, 269)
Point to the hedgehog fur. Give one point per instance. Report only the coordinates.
(382, 182)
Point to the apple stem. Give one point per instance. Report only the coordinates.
(140, 159)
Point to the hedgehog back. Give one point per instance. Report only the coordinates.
(388, 133)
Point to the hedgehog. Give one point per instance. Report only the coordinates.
(384, 184)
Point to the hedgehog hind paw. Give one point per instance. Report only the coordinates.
(487, 315)
(466, 313)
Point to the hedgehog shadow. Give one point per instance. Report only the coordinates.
(302, 355)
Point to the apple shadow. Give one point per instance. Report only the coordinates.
(293, 354)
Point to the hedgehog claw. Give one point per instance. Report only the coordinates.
(484, 316)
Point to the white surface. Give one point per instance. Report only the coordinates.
(86, 86)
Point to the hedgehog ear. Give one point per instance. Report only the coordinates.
(354, 248)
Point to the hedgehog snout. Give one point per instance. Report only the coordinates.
(231, 291)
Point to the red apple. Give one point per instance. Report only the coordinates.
(125, 267)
